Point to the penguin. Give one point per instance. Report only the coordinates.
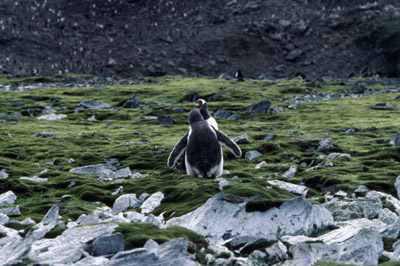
(239, 75)
(202, 147)
(202, 106)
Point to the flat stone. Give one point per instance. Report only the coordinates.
(164, 120)
(12, 211)
(35, 179)
(263, 106)
(243, 139)
(94, 170)
(292, 188)
(291, 172)
(269, 137)
(124, 202)
(108, 244)
(51, 117)
(94, 105)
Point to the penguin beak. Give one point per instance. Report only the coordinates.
(198, 106)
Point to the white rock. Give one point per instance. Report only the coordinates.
(8, 198)
(292, 188)
(3, 174)
(3, 219)
(394, 202)
(295, 216)
(258, 166)
(35, 179)
(222, 182)
(51, 117)
(291, 172)
(387, 216)
(124, 202)
(152, 202)
(397, 186)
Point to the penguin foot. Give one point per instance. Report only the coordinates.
(199, 176)
(212, 176)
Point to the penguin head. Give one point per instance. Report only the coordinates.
(195, 116)
(201, 104)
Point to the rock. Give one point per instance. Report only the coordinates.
(124, 202)
(214, 97)
(340, 194)
(132, 102)
(250, 155)
(269, 137)
(292, 188)
(354, 208)
(222, 114)
(122, 173)
(243, 139)
(35, 179)
(94, 170)
(152, 202)
(177, 110)
(383, 107)
(3, 219)
(3, 174)
(276, 253)
(13, 211)
(263, 106)
(256, 245)
(291, 172)
(395, 203)
(294, 216)
(44, 134)
(336, 155)
(148, 117)
(173, 252)
(68, 247)
(395, 139)
(190, 97)
(5, 117)
(92, 118)
(49, 110)
(108, 244)
(350, 245)
(222, 182)
(258, 166)
(51, 117)
(361, 191)
(294, 54)
(8, 198)
(225, 76)
(387, 216)
(94, 105)
(118, 191)
(164, 120)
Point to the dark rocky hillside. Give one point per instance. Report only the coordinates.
(157, 37)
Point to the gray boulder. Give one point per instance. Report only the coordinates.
(263, 106)
(152, 202)
(349, 209)
(3, 174)
(124, 202)
(13, 211)
(164, 120)
(269, 137)
(171, 253)
(50, 117)
(94, 105)
(295, 216)
(387, 216)
(250, 155)
(8, 198)
(222, 114)
(292, 188)
(347, 245)
(132, 102)
(3, 219)
(291, 172)
(108, 244)
(35, 179)
(395, 139)
(276, 253)
(397, 186)
(68, 247)
(94, 170)
(243, 139)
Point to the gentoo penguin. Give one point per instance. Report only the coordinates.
(239, 75)
(202, 106)
(202, 146)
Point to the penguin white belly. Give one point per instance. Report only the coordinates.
(211, 121)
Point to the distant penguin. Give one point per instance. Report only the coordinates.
(202, 147)
(201, 105)
(239, 75)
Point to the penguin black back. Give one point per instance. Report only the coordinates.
(203, 149)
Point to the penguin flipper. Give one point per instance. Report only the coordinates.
(228, 143)
(178, 150)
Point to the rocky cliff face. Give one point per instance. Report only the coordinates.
(135, 38)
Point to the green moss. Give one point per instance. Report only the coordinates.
(137, 234)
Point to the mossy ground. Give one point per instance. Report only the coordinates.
(87, 143)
